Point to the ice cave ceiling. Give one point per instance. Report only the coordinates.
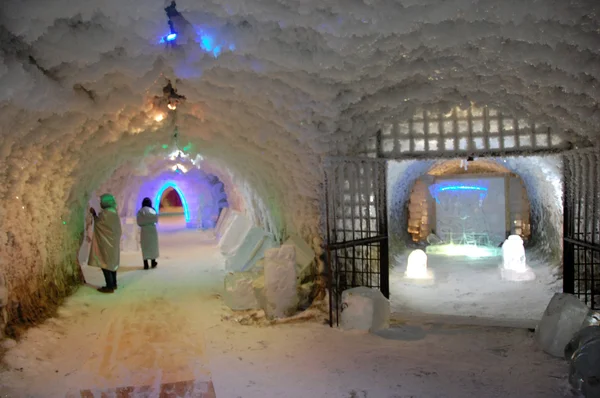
(271, 85)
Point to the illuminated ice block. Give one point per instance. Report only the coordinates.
(416, 267)
(514, 263)
(364, 309)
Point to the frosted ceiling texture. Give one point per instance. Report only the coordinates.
(271, 86)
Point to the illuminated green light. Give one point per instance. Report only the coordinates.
(472, 251)
(165, 146)
(64, 223)
(187, 147)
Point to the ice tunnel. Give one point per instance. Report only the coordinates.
(242, 110)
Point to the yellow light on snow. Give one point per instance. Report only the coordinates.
(159, 117)
(172, 106)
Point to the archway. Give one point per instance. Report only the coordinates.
(170, 199)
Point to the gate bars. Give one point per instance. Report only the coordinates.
(356, 224)
(581, 236)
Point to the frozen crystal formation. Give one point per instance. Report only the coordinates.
(514, 263)
(281, 286)
(364, 309)
(583, 354)
(563, 317)
(304, 255)
(240, 291)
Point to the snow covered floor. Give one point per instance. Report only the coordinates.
(166, 325)
(473, 288)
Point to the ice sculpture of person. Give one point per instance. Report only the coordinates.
(105, 251)
(147, 217)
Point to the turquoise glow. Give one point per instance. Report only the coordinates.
(162, 189)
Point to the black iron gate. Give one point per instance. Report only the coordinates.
(356, 223)
(581, 239)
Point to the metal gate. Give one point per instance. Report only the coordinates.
(357, 231)
(581, 238)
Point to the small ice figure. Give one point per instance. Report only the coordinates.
(514, 263)
(416, 267)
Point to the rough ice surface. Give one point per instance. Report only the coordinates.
(235, 234)
(281, 286)
(304, 255)
(364, 309)
(514, 262)
(563, 317)
(223, 222)
(239, 293)
(252, 249)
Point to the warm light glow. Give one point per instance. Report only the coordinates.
(162, 189)
(172, 106)
(416, 267)
(159, 117)
(472, 251)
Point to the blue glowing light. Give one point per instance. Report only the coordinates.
(162, 189)
(210, 43)
(450, 186)
(206, 42)
(169, 37)
(463, 188)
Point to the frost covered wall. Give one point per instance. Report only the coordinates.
(542, 177)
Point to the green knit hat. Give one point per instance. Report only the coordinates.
(107, 201)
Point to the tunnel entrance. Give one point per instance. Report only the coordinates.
(459, 184)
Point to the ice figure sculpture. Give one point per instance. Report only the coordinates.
(416, 267)
(514, 263)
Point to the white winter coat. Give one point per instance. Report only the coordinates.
(147, 219)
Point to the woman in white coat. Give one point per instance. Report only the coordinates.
(147, 218)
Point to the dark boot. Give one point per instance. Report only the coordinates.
(109, 282)
(145, 264)
(154, 263)
(114, 279)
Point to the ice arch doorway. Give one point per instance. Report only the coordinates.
(158, 199)
(202, 196)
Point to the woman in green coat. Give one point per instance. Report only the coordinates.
(105, 250)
